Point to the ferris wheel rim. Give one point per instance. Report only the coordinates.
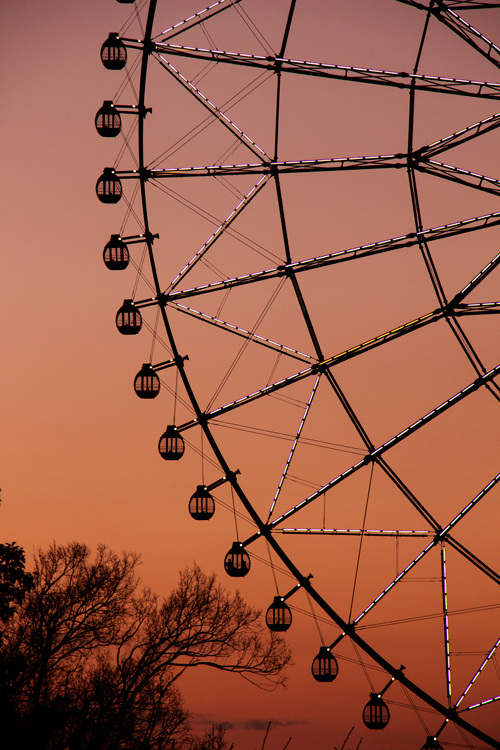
(264, 529)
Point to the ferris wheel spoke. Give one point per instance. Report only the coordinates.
(461, 176)
(348, 409)
(237, 331)
(242, 349)
(441, 536)
(446, 624)
(460, 227)
(465, 344)
(459, 137)
(362, 251)
(287, 28)
(476, 281)
(212, 108)
(203, 15)
(304, 310)
(342, 163)
(269, 389)
(476, 675)
(219, 231)
(459, 310)
(374, 455)
(468, 555)
(482, 703)
(445, 531)
(473, 4)
(215, 170)
(478, 308)
(446, 308)
(421, 618)
(382, 338)
(409, 533)
(294, 445)
(291, 275)
(209, 119)
(435, 84)
(471, 354)
(325, 365)
(404, 489)
(460, 4)
(415, 201)
(468, 33)
(396, 580)
(328, 445)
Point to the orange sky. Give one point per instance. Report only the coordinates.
(79, 449)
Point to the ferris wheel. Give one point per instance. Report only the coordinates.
(330, 343)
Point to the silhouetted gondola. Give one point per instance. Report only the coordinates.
(147, 382)
(116, 255)
(171, 444)
(128, 318)
(278, 615)
(324, 667)
(108, 122)
(237, 561)
(376, 714)
(201, 504)
(113, 53)
(108, 187)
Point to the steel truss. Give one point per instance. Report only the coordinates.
(269, 171)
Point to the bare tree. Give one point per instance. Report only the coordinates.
(90, 660)
(345, 741)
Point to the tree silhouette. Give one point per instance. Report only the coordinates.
(342, 747)
(90, 660)
(14, 581)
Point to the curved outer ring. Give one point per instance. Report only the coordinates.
(348, 629)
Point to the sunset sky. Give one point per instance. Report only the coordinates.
(79, 449)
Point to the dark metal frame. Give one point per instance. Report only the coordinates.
(419, 159)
